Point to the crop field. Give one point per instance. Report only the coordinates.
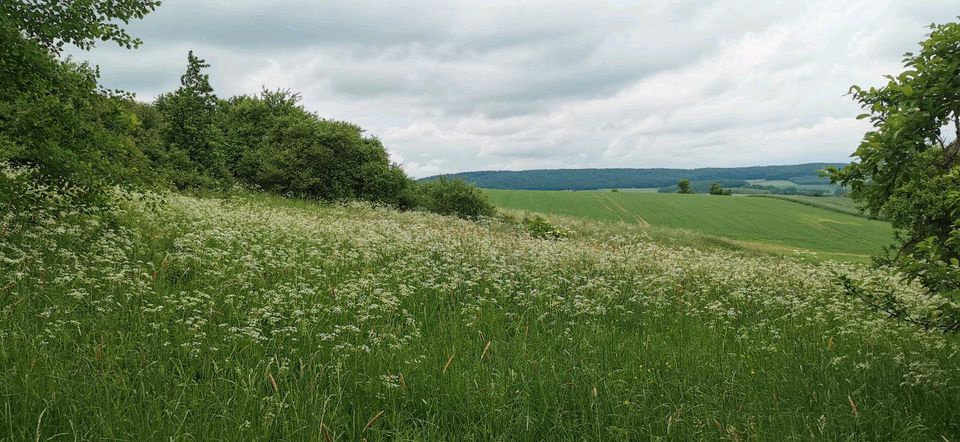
(257, 318)
(842, 205)
(764, 223)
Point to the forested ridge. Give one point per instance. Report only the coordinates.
(590, 179)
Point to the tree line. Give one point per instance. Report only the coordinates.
(593, 179)
(717, 187)
(61, 130)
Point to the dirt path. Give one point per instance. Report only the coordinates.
(639, 220)
(600, 200)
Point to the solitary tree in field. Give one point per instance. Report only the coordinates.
(907, 168)
(684, 186)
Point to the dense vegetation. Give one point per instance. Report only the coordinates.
(767, 224)
(592, 179)
(59, 128)
(703, 186)
(269, 319)
(908, 170)
(270, 142)
(454, 197)
(56, 126)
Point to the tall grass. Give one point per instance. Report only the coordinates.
(239, 319)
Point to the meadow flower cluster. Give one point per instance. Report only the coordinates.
(257, 317)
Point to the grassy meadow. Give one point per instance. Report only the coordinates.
(258, 318)
(768, 224)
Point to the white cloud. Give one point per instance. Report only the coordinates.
(452, 86)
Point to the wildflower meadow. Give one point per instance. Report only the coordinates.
(254, 317)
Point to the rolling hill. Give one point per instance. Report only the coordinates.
(770, 224)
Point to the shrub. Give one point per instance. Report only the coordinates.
(453, 197)
(271, 142)
(539, 227)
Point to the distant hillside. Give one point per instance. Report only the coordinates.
(590, 179)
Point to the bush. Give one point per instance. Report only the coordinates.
(271, 142)
(539, 227)
(453, 197)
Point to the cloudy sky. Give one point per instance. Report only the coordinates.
(454, 86)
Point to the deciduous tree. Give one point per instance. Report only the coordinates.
(906, 168)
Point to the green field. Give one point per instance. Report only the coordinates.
(774, 183)
(839, 204)
(783, 184)
(766, 223)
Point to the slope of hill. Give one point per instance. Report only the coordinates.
(267, 319)
(589, 179)
(842, 205)
(765, 223)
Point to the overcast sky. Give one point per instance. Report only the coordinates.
(455, 86)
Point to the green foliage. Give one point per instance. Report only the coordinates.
(271, 142)
(453, 197)
(683, 186)
(704, 186)
(52, 23)
(194, 157)
(56, 125)
(717, 189)
(810, 180)
(907, 170)
(815, 190)
(146, 133)
(540, 227)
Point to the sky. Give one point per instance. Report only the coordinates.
(451, 86)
